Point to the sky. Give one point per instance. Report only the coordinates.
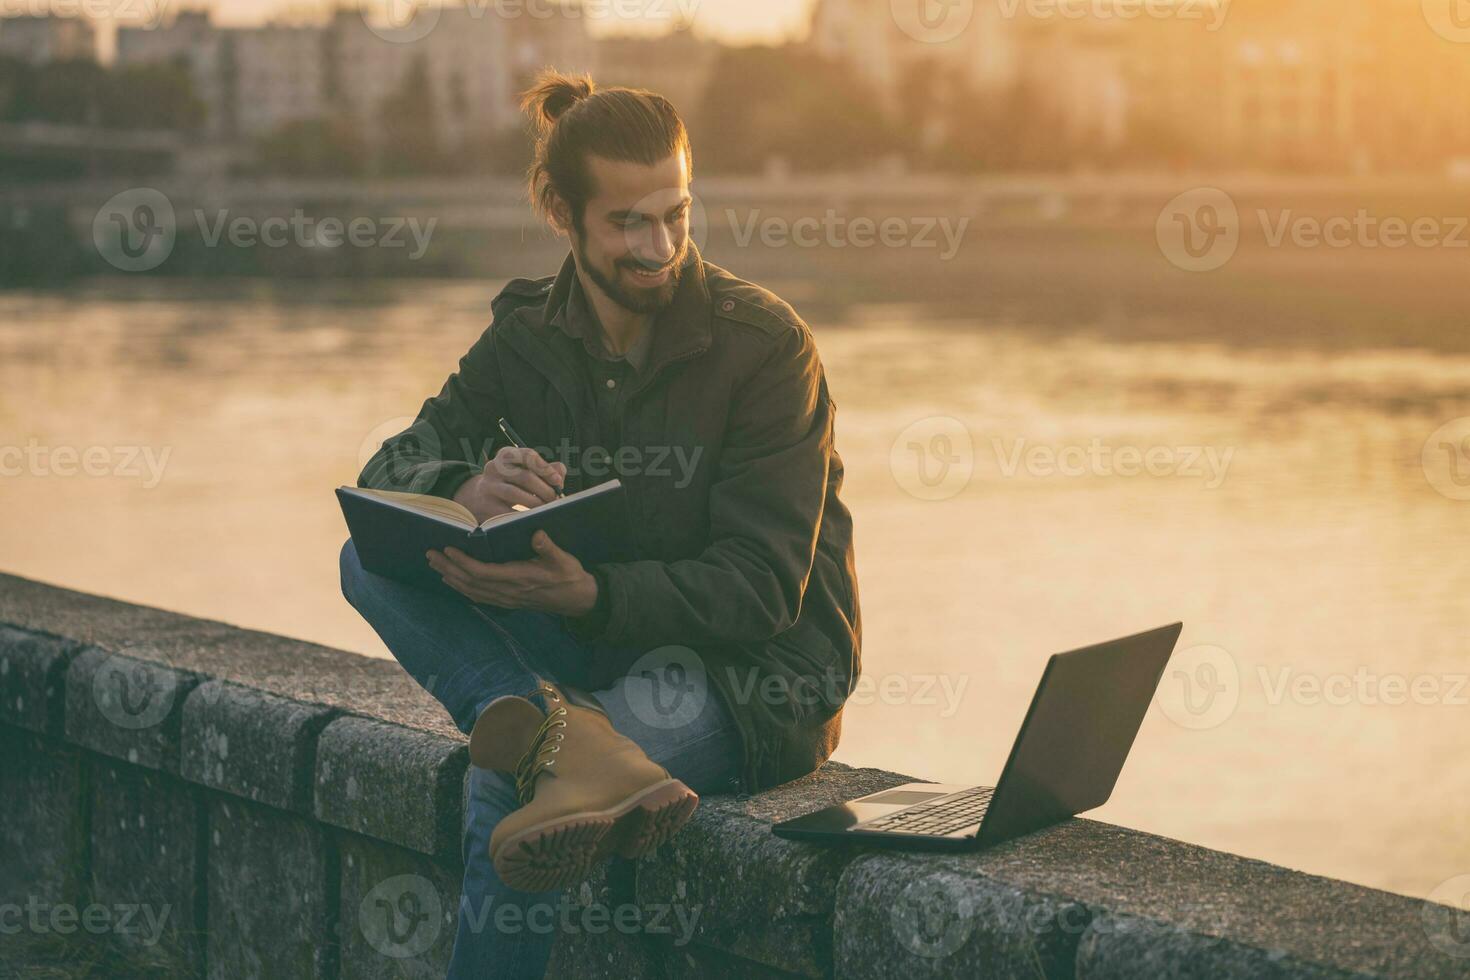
(732, 21)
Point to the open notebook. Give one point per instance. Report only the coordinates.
(393, 530)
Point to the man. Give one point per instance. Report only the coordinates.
(736, 601)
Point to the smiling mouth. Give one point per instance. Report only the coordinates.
(649, 277)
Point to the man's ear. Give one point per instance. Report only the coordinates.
(560, 216)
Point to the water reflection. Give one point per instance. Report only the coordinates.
(1313, 550)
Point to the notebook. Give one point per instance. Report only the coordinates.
(393, 530)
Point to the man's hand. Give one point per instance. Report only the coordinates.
(552, 582)
(514, 476)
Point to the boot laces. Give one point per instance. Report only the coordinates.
(541, 754)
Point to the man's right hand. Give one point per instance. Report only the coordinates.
(514, 476)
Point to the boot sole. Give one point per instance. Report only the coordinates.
(562, 852)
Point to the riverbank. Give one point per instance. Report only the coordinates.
(1329, 263)
(260, 806)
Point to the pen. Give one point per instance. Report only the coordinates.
(515, 440)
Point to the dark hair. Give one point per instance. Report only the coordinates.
(574, 119)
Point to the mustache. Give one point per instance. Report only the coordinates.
(672, 264)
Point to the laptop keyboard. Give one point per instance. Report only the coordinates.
(944, 816)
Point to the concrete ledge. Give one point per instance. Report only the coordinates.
(396, 784)
(283, 809)
(127, 708)
(254, 745)
(33, 680)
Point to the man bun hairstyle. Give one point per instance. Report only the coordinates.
(574, 119)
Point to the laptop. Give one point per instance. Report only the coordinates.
(1066, 759)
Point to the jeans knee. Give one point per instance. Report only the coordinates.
(491, 797)
(350, 567)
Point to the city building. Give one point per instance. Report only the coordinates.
(978, 51)
(676, 65)
(42, 38)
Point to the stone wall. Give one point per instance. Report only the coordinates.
(255, 806)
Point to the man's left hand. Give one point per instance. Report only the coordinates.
(552, 582)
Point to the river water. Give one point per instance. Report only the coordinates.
(1016, 492)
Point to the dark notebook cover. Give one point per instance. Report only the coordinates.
(391, 539)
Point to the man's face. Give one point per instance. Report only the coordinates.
(635, 231)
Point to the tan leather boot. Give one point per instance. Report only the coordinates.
(586, 792)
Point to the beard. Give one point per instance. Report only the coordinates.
(635, 299)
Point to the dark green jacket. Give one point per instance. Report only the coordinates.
(750, 563)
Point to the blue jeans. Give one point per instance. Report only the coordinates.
(466, 655)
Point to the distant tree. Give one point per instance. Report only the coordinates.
(410, 138)
(505, 153)
(81, 92)
(158, 96)
(16, 80)
(66, 92)
(312, 148)
(764, 102)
